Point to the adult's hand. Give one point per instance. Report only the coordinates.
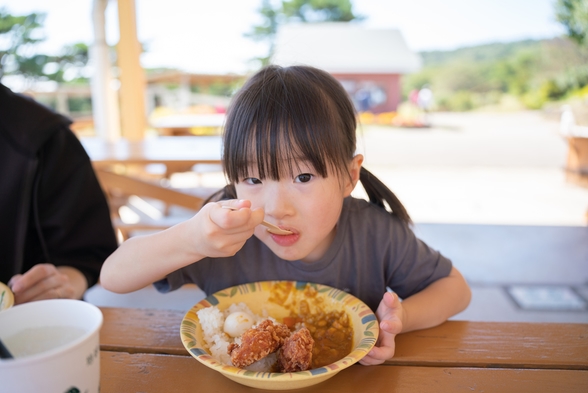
(46, 281)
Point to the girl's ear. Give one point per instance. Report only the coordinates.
(354, 169)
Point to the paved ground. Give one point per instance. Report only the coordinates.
(489, 191)
(479, 168)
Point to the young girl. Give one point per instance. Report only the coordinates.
(289, 157)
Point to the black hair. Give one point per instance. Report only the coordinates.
(286, 114)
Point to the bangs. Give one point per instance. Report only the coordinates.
(283, 116)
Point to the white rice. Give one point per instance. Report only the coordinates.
(212, 322)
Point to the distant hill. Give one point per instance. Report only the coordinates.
(530, 72)
(480, 53)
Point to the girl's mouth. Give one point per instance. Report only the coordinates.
(285, 240)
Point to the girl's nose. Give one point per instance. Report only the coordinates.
(277, 203)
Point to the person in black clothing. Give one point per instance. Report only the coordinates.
(55, 226)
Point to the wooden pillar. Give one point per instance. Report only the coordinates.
(132, 77)
(105, 109)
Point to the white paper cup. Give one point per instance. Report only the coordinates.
(71, 367)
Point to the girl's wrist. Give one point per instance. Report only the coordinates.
(188, 241)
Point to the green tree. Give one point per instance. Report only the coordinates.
(18, 37)
(266, 31)
(319, 10)
(573, 14)
(275, 13)
(530, 72)
(68, 65)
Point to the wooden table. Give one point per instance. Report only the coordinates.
(120, 167)
(190, 123)
(141, 351)
(176, 152)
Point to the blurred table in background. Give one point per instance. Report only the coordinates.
(122, 169)
(176, 153)
(189, 124)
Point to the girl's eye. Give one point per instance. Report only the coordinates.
(303, 178)
(252, 180)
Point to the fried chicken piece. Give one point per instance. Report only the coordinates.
(258, 342)
(296, 352)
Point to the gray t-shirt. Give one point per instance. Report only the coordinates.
(371, 250)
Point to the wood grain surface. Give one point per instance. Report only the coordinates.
(496, 344)
(124, 372)
(141, 331)
(452, 344)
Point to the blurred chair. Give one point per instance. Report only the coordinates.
(142, 205)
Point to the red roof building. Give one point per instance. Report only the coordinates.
(369, 63)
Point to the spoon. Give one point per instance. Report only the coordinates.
(271, 228)
(4, 352)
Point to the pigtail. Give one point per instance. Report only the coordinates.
(379, 193)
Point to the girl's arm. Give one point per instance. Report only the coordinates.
(212, 232)
(427, 308)
(436, 303)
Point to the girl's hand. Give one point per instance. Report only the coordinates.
(43, 281)
(221, 232)
(390, 314)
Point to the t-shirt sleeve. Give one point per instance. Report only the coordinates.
(416, 264)
(171, 282)
(162, 286)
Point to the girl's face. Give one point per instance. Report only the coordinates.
(306, 204)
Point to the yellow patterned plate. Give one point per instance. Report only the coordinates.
(273, 297)
(6, 297)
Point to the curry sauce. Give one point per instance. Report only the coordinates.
(332, 334)
(331, 330)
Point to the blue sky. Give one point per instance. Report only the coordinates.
(207, 35)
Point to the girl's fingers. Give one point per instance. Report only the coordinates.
(391, 326)
(391, 300)
(388, 314)
(235, 204)
(377, 355)
(387, 334)
(236, 216)
(385, 346)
